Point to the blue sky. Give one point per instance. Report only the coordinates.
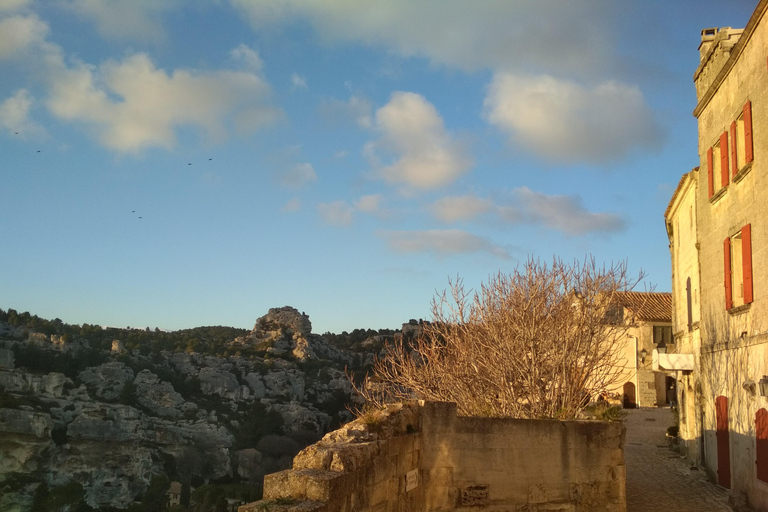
(183, 163)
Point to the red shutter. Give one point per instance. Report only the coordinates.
(724, 159)
(734, 160)
(710, 177)
(746, 261)
(727, 259)
(748, 154)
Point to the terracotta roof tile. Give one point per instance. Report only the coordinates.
(648, 306)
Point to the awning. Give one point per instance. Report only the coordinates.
(672, 362)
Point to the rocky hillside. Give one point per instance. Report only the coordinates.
(104, 416)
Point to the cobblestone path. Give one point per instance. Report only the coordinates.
(659, 479)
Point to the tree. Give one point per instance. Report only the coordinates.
(536, 343)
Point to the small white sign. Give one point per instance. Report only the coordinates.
(411, 480)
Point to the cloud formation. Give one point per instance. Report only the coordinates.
(356, 110)
(422, 154)
(548, 34)
(442, 243)
(298, 81)
(561, 213)
(340, 213)
(337, 213)
(298, 175)
(13, 5)
(460, 208)
(249, 57)
(562, 121)
(133, 105)
(18, 33)
(565, 213)
(137, 20)
(14, 114)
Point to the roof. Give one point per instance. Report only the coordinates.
(648, 306)
(175, 488)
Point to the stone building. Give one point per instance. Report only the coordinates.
(649, 325)
(717, 223)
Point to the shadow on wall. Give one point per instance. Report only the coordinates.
(721, 405)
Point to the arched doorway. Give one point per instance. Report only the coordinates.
(629, 400)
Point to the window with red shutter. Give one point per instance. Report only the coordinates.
(710, 172)
(747, 116)
(724, 159)
(734, 144)
(727, 280)
(746, 262)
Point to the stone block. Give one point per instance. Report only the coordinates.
(545, 493)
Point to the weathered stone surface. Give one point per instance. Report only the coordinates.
(106, 381)
(219, 382)
(285, 384)
(157, 396)
(30, 423)
(6, 358)
(287, 319)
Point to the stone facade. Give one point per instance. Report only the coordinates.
(426, 458)
(648, 320)
(717, 224)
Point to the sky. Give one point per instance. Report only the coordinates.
(188, 162)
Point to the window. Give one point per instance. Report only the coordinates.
(737, 252)
(717, 165)
(662, 333)
(741, 140)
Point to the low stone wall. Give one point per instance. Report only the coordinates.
(413, 458)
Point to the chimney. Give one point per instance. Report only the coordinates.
(707, 39)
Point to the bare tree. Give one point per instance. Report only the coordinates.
(536, 343)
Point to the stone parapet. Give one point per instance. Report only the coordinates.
(412, 457)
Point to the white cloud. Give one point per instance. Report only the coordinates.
(292, 205)
(298, 82)
(357, 110)
(298, 175)
(248, 56)
(134, 105)
(565, 213)
(459, 208)
(442, 242)
(546, 34)
(337, 213)
(13, 5)
(562, 121)
(423, 154)
(561, 213)
(132, 20)
(368, 204)
(18, 33)
(14, 114)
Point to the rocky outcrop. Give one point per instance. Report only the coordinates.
(286, 320)
(158, 396)
(113, 425)
(107, 380)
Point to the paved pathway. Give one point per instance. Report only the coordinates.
(659, 479)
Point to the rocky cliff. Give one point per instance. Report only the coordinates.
(112, 425)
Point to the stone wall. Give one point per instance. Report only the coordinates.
(425, 458)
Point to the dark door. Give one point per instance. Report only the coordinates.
(723, 442)
(629, 396)
(761, 444)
